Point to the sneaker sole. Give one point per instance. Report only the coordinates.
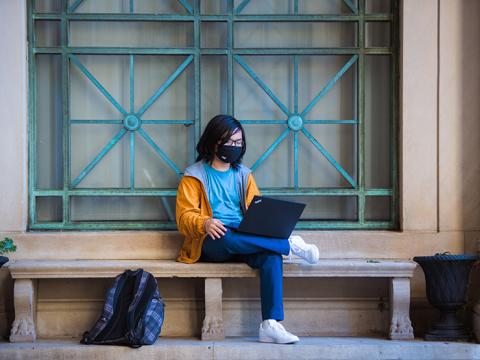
(271, 340)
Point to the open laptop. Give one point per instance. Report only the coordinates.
(271, 217)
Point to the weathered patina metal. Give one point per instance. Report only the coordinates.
(294, 119)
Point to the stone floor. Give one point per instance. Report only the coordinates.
(247, 348)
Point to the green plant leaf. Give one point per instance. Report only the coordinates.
(7, 245)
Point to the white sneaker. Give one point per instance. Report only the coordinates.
(300, 248)
(272, 331)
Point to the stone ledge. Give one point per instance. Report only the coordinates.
(41, 269)
(166, 244)
(340, 348)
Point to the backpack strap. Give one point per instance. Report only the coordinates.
(143, 293)
(107, 313)
(140, 284)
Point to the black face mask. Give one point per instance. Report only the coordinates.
(229, 154)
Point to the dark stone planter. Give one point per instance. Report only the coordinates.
(447, 278)
(3, 260)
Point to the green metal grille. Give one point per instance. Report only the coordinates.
(294, 118)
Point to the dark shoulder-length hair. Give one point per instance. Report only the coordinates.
(218, 131)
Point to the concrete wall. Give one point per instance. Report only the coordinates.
(440, 196)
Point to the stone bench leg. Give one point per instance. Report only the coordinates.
(212, 328)
(23, 328)
(400, 325)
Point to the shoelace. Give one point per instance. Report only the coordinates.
(279, 327)
(282, 329)
(296, 249)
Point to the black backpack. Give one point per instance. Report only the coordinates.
(132, 314)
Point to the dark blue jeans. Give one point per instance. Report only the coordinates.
(260, 253)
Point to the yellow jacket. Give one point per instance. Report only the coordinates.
(193, 207)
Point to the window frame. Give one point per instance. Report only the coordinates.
(232, 16)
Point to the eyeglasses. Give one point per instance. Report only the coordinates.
(231, 142)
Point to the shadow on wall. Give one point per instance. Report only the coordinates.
(469, 114)
(469, 105)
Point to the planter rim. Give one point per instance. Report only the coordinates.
(447, 257)
(3, 260)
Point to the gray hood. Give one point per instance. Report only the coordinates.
(197, 171)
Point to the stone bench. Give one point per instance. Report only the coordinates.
(26, 273)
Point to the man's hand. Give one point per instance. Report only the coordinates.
(215, 228)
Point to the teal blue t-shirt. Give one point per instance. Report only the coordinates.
(223, 194)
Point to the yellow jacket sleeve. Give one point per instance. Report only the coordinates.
(252, 190)
(190, 221)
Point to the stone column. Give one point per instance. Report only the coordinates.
(212, 328)
(400, 325)
(23, 328)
